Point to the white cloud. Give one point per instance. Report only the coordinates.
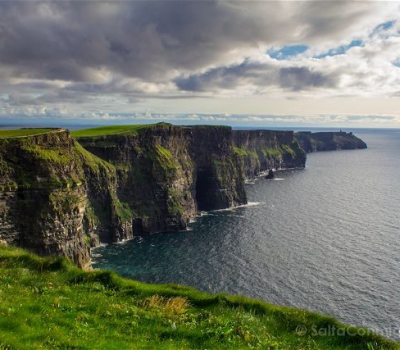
(99, 60)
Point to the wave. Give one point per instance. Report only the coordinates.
(123, 241)
(250, 204)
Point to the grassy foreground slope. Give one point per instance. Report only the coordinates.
(47, 303)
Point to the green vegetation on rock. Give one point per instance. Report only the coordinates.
(272, 152)
(65, 201)
(89, 159)
(243, 152)
(287, 149)
(123, 210)
(52, 155)
(174, 202)
(164, 157)
(47, 303)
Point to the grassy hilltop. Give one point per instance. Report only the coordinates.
(11, 133)
(113, 130)
(48, 303)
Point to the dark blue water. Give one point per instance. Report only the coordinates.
(326, 238)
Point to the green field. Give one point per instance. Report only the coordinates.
(8, 133)
(47, 303)
(110, 130)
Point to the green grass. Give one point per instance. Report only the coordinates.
(243, 152)
(272, 152)
(47, 303)
(174, 202)
(89, 159)
(7, 133)
(113, 129)
(123, 210)
(287, 149)
(56, 155)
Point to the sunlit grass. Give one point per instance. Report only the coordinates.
(108, 130)
(8, 133)
(47, 303)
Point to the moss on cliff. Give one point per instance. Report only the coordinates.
(122, 210)
(162, 157)
(243, 152)
(65, 189)
(67, 201)
(274, 152)
(174, 202)
(53, 155)
(89, 159)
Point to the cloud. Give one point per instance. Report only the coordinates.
(256, 74)
(61, 54)
(149, 40)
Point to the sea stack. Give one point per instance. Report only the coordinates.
(270, 175)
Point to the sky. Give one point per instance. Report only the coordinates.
(256, 63)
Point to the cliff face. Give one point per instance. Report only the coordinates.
(167, 174)
(55, 197)
(59, 196)
(262, 150)
(328, 141)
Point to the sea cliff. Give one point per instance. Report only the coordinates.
(328, 141)
(61, 194)
(56, 198)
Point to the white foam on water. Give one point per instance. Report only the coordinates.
(250, 204)
(123, 241)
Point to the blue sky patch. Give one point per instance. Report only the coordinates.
(384, 26)
(340, 50)
(287, 51)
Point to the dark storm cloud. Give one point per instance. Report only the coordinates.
(151, 40)
(300, 78)
(258, 74)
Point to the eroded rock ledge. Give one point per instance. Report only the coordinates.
(61, 196)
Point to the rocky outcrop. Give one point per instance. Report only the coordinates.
(263, 150)
(60, 196)
(167, 174)
(55, 197)
(328, 141)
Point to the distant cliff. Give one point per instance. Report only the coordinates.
(61, 195)
(261, 150)
(328, 141)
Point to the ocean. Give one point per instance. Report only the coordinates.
(325, 238)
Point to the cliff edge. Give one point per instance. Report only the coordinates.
(328, 141)
(56, 198)
(61, 194)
